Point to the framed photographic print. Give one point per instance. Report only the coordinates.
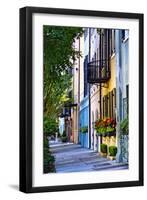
(81, 99)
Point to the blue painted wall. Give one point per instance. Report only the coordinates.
(84, 121)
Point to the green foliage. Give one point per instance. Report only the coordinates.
(110, 129)
(64, 137)
(59, 57)
(50, 126)
(104, 126)
(124, 126)
(112, 150)
(103, 148)
(84, 129)
(49, 160)
(102, 130)
(64, 133)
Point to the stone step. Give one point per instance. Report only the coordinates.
(74, 158)
(109, 167)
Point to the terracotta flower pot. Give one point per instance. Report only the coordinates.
(111, 157)
(103, 154)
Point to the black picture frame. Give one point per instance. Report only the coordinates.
(26, 99)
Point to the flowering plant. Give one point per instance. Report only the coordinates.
(107, 125)
(84, 129)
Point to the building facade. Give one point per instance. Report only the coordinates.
(102, 79)
(100, 88)
(122, 80)
(84, 93)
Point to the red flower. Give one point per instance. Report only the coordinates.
(100, 123)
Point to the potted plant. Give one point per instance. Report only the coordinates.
(112, 152)
(84, 129)
(100, 127)
(64, 137)
(105, 127)
(111, 126)
(103, 148)
(124, 126)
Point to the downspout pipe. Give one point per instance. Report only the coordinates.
(100, 97)
(89, 91)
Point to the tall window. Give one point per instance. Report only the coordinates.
(113, 41)
(109, 104)
(96, 114)
(124, 34)
(111, 36)
(105, 106)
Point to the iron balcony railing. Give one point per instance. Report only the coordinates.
(98, 71)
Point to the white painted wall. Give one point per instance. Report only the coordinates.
(9, 112)
(94, 88)
(61, 125)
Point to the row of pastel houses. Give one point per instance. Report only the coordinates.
(100, 88)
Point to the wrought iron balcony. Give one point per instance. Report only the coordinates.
(98, 71)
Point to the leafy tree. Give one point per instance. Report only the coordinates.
(49, 160)
(50, 126)
(59, 57)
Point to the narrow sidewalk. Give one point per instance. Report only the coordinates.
(71, 157)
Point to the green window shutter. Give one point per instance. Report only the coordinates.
(103, 106)
(106, 106)
(110, 106)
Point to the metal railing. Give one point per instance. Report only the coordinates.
(98, 71)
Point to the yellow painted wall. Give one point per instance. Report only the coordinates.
(111, 84)
(109, 141)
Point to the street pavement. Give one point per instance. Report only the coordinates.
(71, 157)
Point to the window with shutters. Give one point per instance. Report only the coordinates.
(96, 114)
(109, 104)
(111, 42)
(103, 106)
(98, 68)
